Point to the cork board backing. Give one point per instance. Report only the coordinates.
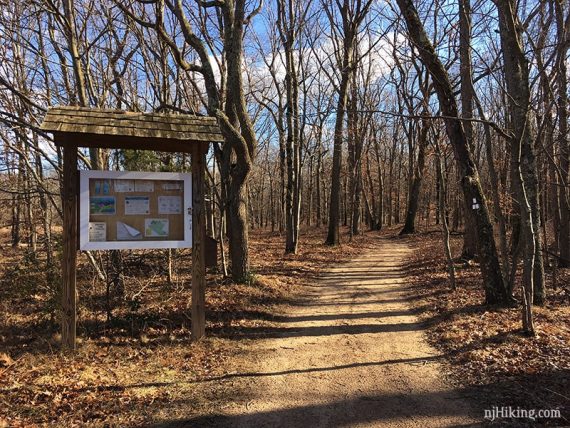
(134, 210)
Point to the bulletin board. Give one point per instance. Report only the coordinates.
(134, 210)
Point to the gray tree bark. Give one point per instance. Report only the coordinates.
(562, 80)
(467, 92)
(495, 290)
(522, 151)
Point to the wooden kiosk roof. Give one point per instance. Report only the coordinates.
(89, 127)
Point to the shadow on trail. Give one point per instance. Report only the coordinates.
(341, 316)
(356, 410)
(280, 332)
(418, 360)
(228, 376)
(341, 279)
(368, 302)
(403, 409)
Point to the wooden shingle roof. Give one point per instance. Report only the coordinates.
(87, 127)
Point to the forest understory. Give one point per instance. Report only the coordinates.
(485, 347)
(140, 366)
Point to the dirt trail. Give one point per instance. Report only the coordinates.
(352, 354)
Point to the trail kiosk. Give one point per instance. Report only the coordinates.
(122, 210)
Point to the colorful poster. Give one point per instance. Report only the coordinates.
(156, 227)
(123, 186)
(137, 205)
(144, 186)
(170, 205)
(97, 231)
(127, 233)
(102, 187)
(106, 205)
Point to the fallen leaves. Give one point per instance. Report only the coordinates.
(142, 366)
(5, 360)
(484, 344)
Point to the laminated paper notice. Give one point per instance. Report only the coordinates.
(97, 231)
(137, 205)
(127, 233)
(156, 227)
(144, 186)
(172, 185)
(122, 186)
(170, 205)
(102, 187)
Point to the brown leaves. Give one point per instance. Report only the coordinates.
(5, 360)
(134, 370)
(484, 344)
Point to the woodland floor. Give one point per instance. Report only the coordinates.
(313, 339)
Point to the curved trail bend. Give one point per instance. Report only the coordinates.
(351, 355)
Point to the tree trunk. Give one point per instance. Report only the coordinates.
(495, 186)
(287, 22)
(239, 253)
(563, 196)
(79, 73)
(444, 225)
(465, 72)
(333, 235)
(437, 192)
(239, 134)
(522, 151)
(495, 290)
(318, 207)
(282, 173)
(414, 194)
(352, 16)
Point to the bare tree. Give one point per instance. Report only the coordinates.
(467, 94)
(495, 290)
(563, 35)
(229, 106)
(522, 151)
(352, 14)
(291, 17)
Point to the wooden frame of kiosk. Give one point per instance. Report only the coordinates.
(124, 213)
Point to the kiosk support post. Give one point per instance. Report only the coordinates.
(198, 241)
(69, 260)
